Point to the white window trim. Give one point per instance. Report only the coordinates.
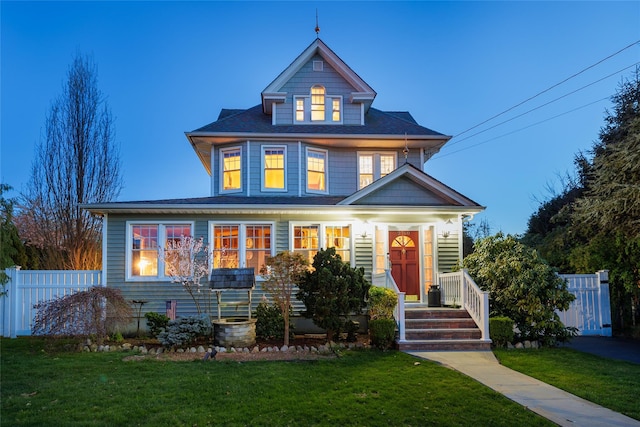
(221, 170)
(326, 170)
(376, 163)
(330, 102)
(162, 237)
(242, 238)
(322, 235)
(262, 169)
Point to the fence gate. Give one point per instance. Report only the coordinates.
(590, 312)
(27, 288)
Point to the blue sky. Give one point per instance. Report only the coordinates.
(169, 67)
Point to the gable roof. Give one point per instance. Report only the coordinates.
(425, 190)
(363, 92)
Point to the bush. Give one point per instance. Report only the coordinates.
(98, 311)
(270, 322)
(501, 331)
(156, 323)
(332, 292)
(382, 333)
(185, 330)
(382, 301)
(522, 287)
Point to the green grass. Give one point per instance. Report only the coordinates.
(362, 388)
(606, 382)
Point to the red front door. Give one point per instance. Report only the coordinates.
(405, 265)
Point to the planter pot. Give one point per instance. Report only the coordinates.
(235, 332)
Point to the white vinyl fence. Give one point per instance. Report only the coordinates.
(27, 288)
(590, 312)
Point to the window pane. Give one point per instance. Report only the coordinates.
(173, 235)
(338, 237)
(231, 170)
(300, 109)
(257, 245)
(387, 164)
(274, 168)
(225, 246)
(144, 250)
(336, 110)
(305, 240)
(316, 171)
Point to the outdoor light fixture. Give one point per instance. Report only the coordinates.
(446, 229)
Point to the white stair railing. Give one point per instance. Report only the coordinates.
(459, 288)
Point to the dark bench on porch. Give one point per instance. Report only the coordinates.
(232, 279)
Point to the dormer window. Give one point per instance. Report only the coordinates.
(317, 107)
(317, 103)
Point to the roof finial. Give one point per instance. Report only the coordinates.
(317, 26)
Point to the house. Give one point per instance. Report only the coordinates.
(315, 165)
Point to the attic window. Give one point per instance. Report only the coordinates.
(318, 65)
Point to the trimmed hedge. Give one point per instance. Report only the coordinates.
(382, 333)
(501, 331)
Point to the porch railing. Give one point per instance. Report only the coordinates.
(385, 280)
(459, 289)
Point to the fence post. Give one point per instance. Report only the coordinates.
(11, 302)
(604, 302)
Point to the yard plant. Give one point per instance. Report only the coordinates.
(41, 386)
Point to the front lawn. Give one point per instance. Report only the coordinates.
(362, 388)
(610, 383)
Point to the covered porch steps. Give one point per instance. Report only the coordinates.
(441, 329)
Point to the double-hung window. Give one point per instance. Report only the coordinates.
(241, 245)
(231, 167)
(309, 238)
(146, 241)
(316, 170)
(373, 166)
(273, 168)
(317, 103)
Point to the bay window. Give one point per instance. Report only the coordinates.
(231, 161)
(273, 167)
(316, 170)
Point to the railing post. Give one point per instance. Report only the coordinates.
(463, 287)
(401, 321)
(484, 309)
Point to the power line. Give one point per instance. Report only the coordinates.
(549, 88)
(543, 105)
(439, 156)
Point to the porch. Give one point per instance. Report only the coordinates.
(460, 323)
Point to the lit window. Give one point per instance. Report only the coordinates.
(316, 170)
(274, 172)
(257, 246)
(317, 103)
(365, 163)
(306, 240)
(373, 166)
(300, 109)
(173, 235)
(337, 236)
(225, 246)
(335, 106)
(241, 245)
(145, 244)
(231, 169)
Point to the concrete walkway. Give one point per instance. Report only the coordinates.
(550, 402)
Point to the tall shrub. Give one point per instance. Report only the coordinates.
(332, 291)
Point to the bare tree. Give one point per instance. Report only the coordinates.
(75, 162)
